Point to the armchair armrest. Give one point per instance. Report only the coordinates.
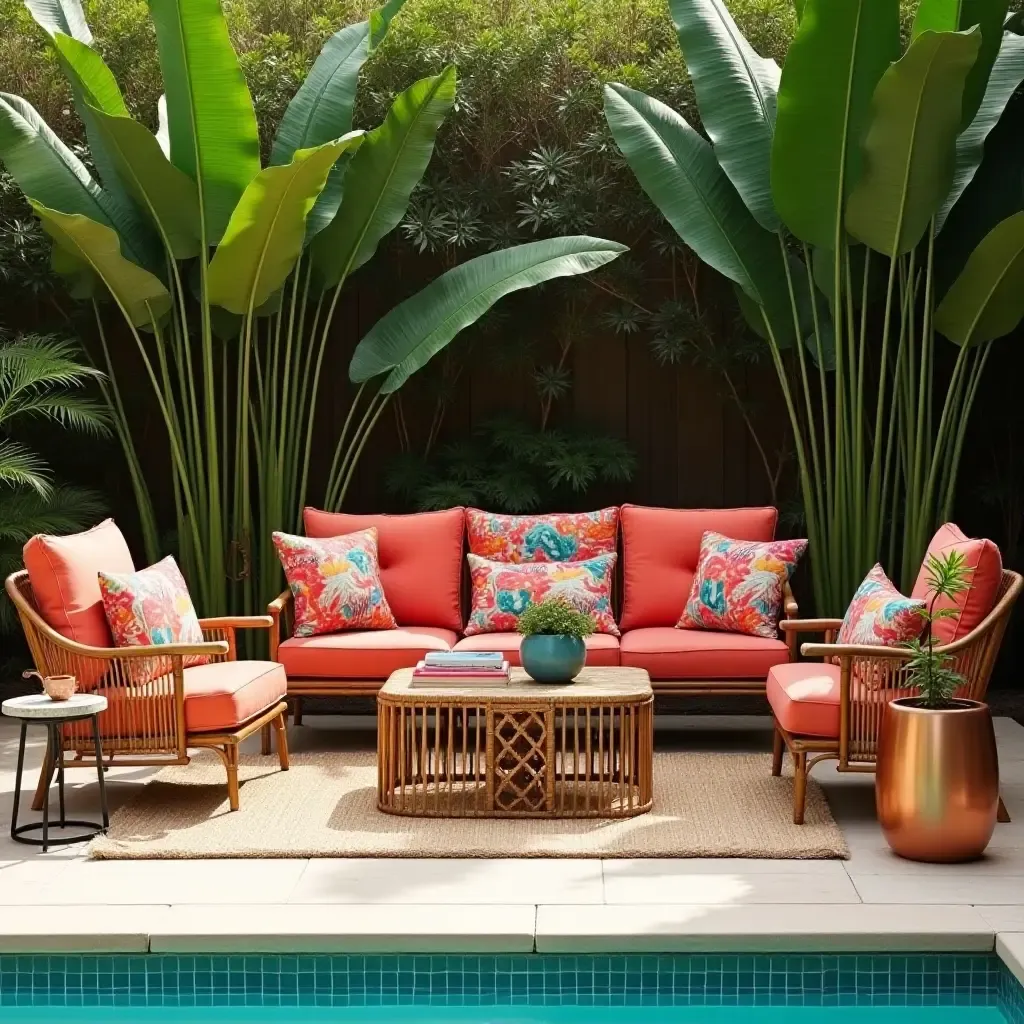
(276, 609)
(872, 651)
(208, 647)
(237, 622)
(810, 625)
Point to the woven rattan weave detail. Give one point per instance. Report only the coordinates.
(525, 750)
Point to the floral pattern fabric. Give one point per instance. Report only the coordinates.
(560, 537)
(880, 615)
(335, 582)
(149, 608)
(503, 591)
(738, 584)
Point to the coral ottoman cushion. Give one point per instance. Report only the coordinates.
(738, 584)
(335, 582)
(973, 604)
(805, 698)
(557, 537)
(223, 695)
(660, 551)
(151, 607)
(420, 559)
(63, 573)
(502, 591)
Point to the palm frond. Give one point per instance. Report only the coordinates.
(68, 411)
(21, 467)
(24, 513)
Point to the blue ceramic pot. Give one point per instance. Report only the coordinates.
(552, 658)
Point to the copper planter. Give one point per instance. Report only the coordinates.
(937, 787)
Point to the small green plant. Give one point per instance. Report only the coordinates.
(929, 669)
(555, 617)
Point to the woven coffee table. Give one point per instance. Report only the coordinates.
(526, 750)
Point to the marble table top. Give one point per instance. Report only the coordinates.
(39, 706)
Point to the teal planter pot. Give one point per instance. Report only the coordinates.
(552, 659)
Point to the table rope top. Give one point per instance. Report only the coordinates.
(594, 685)
(38, 706)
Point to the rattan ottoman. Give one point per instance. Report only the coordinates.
(525, 750)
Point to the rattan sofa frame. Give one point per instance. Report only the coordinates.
(281, 611)
(861, 706)
(149, 720)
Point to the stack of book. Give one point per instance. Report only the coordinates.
(460, 668)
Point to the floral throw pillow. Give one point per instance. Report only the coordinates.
(335, 582)
(880, 615)
(149, 608)
(503, 591)
(559, 537)
(738, 584)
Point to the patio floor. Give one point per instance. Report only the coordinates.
(61, 901)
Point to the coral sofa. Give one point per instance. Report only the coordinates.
(423, 575)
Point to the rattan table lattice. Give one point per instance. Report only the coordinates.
(533, 750)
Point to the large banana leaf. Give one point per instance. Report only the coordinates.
(61, 16)
(955, 15)
(48, 172)
(169, 196)
(987, 300)
(265, 235)
(1007, 74)
(211, 123)
(417, 329)
(736, 90)
(381, 176)
(841, 50)
(322, 108)
(142, 296)
(910, 146)
(678, 170)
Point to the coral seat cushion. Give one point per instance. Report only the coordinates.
(805, 698)
(420, 560)
(223, 695)
(63, 573)
(361, 655)
(660, 550)
(974, 603)
(671, 653)
(602, 648)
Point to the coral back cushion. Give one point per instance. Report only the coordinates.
(420, 560)
(660, 550)
(973, 604)
(64, 572)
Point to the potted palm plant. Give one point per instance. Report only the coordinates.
(937, 787)
(553, 648)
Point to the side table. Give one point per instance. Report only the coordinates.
(54, 715)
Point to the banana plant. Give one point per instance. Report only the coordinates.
(227, 274)
(821, 190)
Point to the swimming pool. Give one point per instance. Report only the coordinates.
(728, 989)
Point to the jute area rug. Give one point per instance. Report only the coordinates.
(705, 805)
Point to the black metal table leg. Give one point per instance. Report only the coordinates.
(100, 770)
(19, 771)
(54, 759)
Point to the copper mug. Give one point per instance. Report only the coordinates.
(57, 688)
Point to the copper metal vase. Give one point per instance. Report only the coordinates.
(937, 787)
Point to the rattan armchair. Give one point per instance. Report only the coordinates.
(870, 677)
(145, 722)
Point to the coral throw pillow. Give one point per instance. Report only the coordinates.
(879, 615)
(738, 584)
(503, 591)
(149, 608)
(335, 582)
(559, 537)
(985, 571)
